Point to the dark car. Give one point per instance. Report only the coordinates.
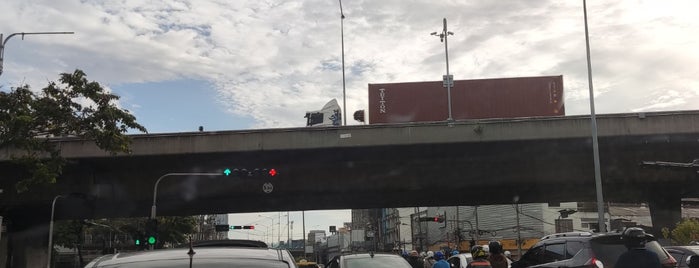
(583, 249)
(203, 257)
(368, 260)
(682, 253)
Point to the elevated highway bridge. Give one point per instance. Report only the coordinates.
(476, 162)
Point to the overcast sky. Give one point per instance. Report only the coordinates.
(262, 64)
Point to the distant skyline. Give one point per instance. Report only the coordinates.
(235, 65)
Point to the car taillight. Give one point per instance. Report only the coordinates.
(669, 262)
(594, 263)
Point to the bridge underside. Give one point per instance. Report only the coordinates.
(474, 173)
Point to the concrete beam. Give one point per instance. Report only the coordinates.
(490, 130)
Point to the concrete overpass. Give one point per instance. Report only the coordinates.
(421, 164)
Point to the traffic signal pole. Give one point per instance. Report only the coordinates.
(157, 182)
(155, 191)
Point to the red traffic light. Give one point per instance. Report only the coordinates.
(436, 219)
(249, 227)
(273, 172)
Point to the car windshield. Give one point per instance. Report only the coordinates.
(213, 263)
(321, 129)
(609, 251)
(376, 261)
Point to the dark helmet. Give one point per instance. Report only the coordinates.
(634, 237)
(478, 252)
(438, 255)
(495, 247)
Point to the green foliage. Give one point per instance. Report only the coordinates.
(67, 233)
(175, 230)
(686, 231)
(666, 232)
(74, 108)
(171, 230)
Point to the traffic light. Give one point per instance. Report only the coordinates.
(256, 172)
(438, 218)
(242, 227)
(151, 232)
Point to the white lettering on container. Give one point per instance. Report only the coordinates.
(382, 101)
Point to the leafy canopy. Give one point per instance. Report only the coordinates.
(75, 107)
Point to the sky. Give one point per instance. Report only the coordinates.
(235, 65)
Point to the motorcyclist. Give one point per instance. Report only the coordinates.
(441, 263)
(429, 260)
(496, 258)
(637, 256)
(479, 258)
(415, 260)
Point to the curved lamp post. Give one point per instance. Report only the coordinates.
(3, 42)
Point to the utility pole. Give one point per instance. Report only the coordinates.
(342, 34)
(448, 79)
(593, 122)
(478, 230)
(519, 233)
(303, 236)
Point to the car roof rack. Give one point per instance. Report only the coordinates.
(568, 234)
(239, 243)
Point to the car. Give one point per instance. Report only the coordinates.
(682, 253)
(303, 263)
(253, 257)
(460, 260)
(584, 249)
(374, 260)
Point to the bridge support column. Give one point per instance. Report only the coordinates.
(27, 247)
(665, 211)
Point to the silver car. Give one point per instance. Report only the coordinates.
(199, 257)
(366, 260)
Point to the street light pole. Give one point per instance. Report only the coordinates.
(53, 209)
(155, 188)
(448, 80)
(342, 34)
(3, 42)
(50, 249)
(593, 122)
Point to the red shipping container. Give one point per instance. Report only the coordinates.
(471, 99)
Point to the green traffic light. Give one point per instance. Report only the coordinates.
(138, 242)
(227, 171)
(151, 240)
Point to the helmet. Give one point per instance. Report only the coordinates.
(423, 254)
(455, 252)
(508, 253)
(413, 253)
(404, 253)
(495, 247)
(438, 255)
(478, 252)
(430, 254)
(634, 237)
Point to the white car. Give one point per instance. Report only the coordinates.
(460, 260)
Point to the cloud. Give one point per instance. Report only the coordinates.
(274, 60)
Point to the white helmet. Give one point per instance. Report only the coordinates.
(430, 254)
(508, 253)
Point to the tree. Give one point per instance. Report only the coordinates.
(171, 231)
(74, 108)
(686, 231)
